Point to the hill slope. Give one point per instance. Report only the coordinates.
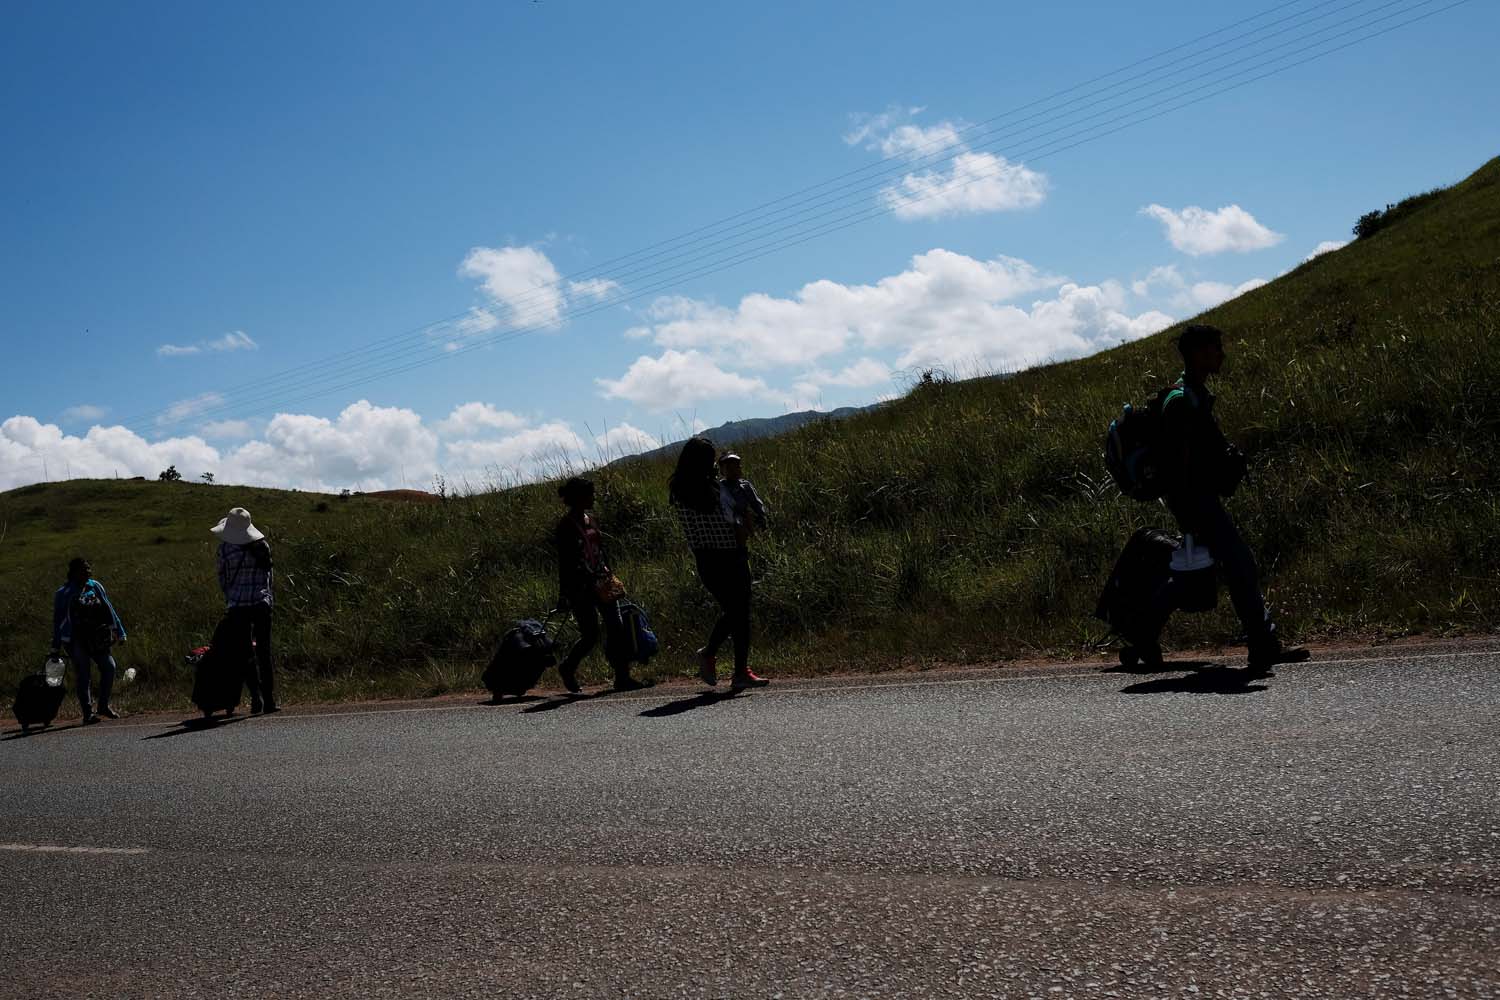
(967, 520)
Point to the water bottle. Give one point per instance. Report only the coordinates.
(127, 675)
(55, 670)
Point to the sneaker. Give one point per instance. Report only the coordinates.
(570, 679)
(108, 712)
(708, 667)
(1264, 656)
(628, 683)
(90, 718)
(748, 679)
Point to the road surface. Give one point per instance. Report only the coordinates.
(1332, 831)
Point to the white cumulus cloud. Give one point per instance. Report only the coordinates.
(679, 378)
(949, 179)
(1199, 232)
(1327, 246)
(31, 451)
(475, 418)
(522, 280)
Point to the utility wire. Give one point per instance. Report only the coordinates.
(905, 162)
(1069, 141)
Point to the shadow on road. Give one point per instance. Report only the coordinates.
(500, 701)
(553, 704)
(1212, 680)
(688, 704)
(197, 726)
(1166, 668)
(21, 734)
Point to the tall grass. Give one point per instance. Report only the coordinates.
(967, 521)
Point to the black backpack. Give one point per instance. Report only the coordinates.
(524, 652)
(92, 621)
(1131, 449)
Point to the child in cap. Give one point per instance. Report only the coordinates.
(739, 495)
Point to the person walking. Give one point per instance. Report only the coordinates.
(587, 587)
(245, 576)
(87, 625)
(718, 546)
(1202, 468)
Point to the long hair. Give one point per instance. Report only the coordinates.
(694, 483)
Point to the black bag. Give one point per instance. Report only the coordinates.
(93, 623)
(523, 654)
(628, 634)
(1141, 570)
(1131, 450)
(37, 701)
(219, 674)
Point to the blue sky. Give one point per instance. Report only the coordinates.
(196, 200)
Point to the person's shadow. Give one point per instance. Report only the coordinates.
(688, 704)
(1209, 680)
(502, 700)
(1165, 667)
(21, 734)
(198, 725)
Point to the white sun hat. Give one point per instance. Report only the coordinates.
(237, 529)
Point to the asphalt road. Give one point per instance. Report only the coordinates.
(1332, 831)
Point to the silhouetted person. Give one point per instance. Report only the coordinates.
(719, 551)
(245, 576)
(1202, 467)
(587, 587)
(85, 623)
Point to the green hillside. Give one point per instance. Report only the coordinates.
(968, 521)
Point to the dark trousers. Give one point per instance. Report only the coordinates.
(83, 661)
(587, 611)
(253, 624)
(1204, 517)
(726, 575)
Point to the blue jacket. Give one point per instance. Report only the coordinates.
(62, 611)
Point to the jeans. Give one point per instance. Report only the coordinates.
(253, 623)
(586, 612)
(83, 659)
(726, 575)
(1204, 517)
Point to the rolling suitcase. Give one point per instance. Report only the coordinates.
(219, 673)
(523, 654)
(37, 701)
(1125, 605)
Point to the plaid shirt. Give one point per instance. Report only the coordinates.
(714, 530)
(245, 580)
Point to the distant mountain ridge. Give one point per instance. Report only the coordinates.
(737, 432)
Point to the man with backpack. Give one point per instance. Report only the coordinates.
(85, 623)
(1198, 467)
(244, 562)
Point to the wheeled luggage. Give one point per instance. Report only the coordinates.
(524, 653)
(37, 701)
(219, 673)
(1126, 605)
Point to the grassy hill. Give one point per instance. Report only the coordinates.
(967, 521)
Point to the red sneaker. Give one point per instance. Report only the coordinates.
(748, 679)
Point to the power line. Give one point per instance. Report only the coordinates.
(756, 251)
(904, 162)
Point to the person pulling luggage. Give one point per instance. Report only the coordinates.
(1200, 468)
(245, 576)
(587, 587)
(87, 625)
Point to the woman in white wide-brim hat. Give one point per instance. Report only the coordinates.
(245, 577)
